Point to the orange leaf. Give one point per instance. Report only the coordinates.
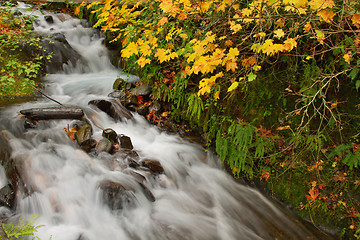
(231, 65)
(356, 18)
(248, 62)
(313, 195)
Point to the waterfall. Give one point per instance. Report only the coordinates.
(193, 197)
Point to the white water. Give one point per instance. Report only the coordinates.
(194, 198)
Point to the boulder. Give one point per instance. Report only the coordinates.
(83, 137)
(113, 108)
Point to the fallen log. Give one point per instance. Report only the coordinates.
(53, 113)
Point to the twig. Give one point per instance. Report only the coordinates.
(42, 93)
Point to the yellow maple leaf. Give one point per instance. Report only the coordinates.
(279, 33)
(162, 54)
(246, 12)
(143, 61)
(321, 4)
(233, 53)
(206, 83)
(145, 49)
(204, 6)
(326, 15)
(129, 50)
(235, 27)
(163, 21)
(347, 57)
(289, 44)
(231, 65)
(355, 18)
(260, 34)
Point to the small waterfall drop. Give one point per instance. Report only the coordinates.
(193, 198)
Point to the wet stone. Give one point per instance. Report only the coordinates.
(104, 145)
(153, 165)
(117, 94)
(116, 196)
(125, 142)
(113, 108)
(83, 134)
(141, 90)
(49, 19)
(29, 124)
(7, 196)
(110, 134)
(155, 107)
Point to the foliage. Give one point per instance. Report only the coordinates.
(21, 229)
(18, 70)
(273, 84)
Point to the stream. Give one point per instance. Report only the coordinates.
(194, 198)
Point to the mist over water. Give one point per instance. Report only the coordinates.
(194, 198)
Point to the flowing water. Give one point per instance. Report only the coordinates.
(194, 198)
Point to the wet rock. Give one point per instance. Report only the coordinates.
(7, 196)
(118, 95)
(29, 124)
(125, 142)
(148, 194)
(139, 177)
(49, 19)
(12, 170)
(110, 134)
(83, 134)
(141, 90)
(115, 195)
(122, 85)
(155, 107)
(113, 108)
(63, 17)
(104, 145)
(142, 110)
(153, 165)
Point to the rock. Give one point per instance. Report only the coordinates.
(49, 19)
(110, 134)
(118, 95)
(148, 194)
(155, 107)
(7, 196)
(30, 124)
(142, 110)
(113, 108)
(83, 134)
(104, 145)
(12, 171)
(115, 195)
(141, 90)
(139, 177)
(122, 85)
(153, 165)
(125, 142)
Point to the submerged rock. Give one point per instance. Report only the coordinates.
(115, 195)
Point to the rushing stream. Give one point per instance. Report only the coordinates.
(194, 197)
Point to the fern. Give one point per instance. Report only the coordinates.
(195, 107)
(21, 229)
(344, 151)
